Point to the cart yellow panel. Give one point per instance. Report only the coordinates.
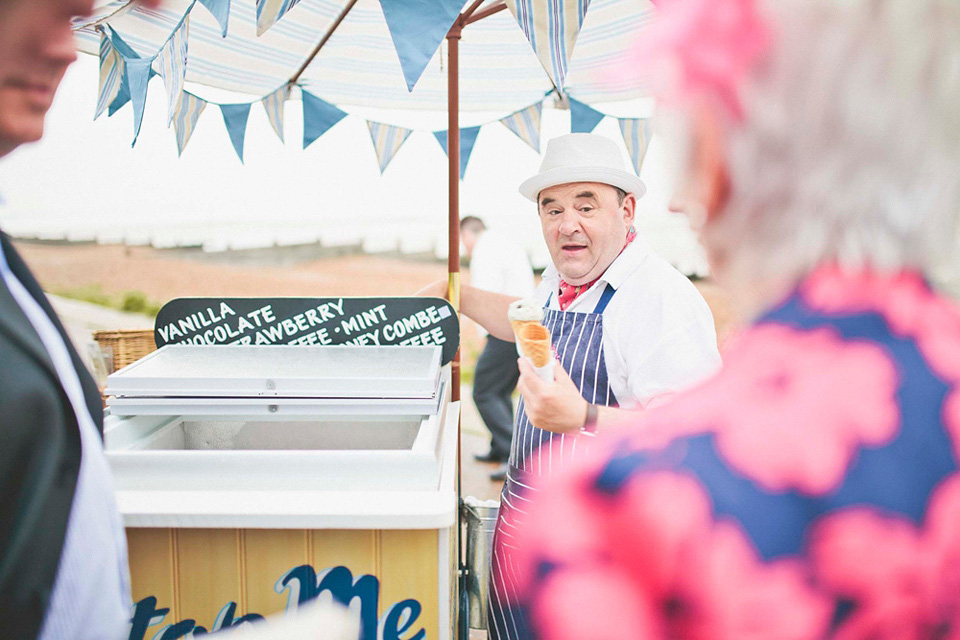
(276, 551)
(187, 580)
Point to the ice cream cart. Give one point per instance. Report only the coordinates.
(252, 478)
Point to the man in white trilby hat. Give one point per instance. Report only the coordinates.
(627, 328)
(643, 331)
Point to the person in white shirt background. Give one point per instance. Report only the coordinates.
(627, 328)
(500, 265)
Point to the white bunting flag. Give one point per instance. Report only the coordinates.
(636, 135)
(111, 74)
(551, 27)
(269, 11)
(273, 105)
(387, 140)
(526, 124)
(185, 120)
(173, 66)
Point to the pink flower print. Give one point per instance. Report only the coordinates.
(942, 559)
(905, 582)
(862, 556)
(951, 419)
(730, 594)
(791, 407)
(901, 297)
(833, 290)
(658, 566)
(938, 337)
(654, 520)
(593, 602)
(912, 310)
(808, 400)
(904, 299)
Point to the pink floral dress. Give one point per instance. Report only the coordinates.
(810, 490)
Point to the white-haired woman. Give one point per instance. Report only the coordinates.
(812, 488)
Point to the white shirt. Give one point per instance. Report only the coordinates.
(91, 593)
(500, 265)
(658, 332)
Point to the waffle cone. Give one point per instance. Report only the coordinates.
(516, 324)
(534, 342)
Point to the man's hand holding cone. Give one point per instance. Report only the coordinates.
(554, 405)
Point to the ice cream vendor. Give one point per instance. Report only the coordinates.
(627, 329)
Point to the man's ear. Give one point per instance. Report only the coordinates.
(629, 208)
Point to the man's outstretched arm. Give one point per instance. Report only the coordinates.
(487, 309)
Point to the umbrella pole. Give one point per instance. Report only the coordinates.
(461, 631)
(453, 260)
(453, 167)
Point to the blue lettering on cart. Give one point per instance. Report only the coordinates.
(183, 629)
(146, 614)
(303, 585)
(399, 618)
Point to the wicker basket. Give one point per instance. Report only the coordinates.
(125, 345)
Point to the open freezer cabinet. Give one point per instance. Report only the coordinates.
(252, 479)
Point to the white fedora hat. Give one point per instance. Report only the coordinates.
(582, 157)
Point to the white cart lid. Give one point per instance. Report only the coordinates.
(245, 371)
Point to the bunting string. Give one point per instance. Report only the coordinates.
(551, 26)
(636, 132)
(173, 67)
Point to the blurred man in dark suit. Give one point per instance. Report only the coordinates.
(63, 562)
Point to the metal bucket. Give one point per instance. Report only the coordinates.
(481, 519)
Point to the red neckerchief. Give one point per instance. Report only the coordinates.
(570, 292)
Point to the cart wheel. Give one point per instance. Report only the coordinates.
(463, 620)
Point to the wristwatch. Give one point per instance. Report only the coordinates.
(590, 421)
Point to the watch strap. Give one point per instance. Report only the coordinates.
(590, 421)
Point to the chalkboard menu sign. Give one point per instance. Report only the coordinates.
(310, 321)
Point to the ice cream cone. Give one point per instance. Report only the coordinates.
(525, 310)
(516, 324)
(534, 341)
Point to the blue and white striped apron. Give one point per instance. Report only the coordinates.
(578, 341)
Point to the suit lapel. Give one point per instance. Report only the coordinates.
(14, 322)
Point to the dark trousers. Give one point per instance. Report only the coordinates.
(494, 380)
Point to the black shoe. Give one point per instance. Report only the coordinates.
(500, 474)
(489, 456)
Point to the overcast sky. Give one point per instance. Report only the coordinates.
(84, 178)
